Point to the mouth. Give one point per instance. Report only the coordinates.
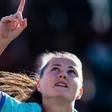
(61, 84)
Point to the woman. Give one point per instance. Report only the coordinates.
(58, 83)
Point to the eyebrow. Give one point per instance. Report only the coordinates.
(55, 65)
(60, 65)
(71, 67)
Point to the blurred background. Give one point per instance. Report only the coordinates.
(83, 27)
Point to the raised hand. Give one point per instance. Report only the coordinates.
(11, 26)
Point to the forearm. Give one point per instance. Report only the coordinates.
(3, 45)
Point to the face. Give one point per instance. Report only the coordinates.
(60, 80)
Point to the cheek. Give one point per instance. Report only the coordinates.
(45, 85)
(76, 85)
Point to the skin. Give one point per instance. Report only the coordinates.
(11, 26)
(59, 71)
(60, 85)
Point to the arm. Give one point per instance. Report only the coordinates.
(3, 44)
(11, 27)
(0, 95)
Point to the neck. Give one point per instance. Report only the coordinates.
(57, 105)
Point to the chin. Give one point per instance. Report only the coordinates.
(62, 95)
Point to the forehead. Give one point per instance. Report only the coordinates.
(62, 61)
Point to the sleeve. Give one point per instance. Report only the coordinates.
(9, 104)
(75, 110)
(2, 100)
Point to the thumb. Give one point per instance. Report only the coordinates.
(21, 26)
(24, 23)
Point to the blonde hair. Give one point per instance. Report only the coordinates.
(19, 86)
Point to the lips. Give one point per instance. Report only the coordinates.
(61, 84)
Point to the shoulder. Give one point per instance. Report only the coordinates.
(8, 103)
(2, 100)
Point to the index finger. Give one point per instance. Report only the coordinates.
(21, 6)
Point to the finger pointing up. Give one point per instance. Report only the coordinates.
(21, 6)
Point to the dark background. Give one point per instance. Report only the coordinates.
(83, 27)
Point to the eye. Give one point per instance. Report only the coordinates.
(72, 73)
(55, 69)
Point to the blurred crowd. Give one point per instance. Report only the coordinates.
(83, 27)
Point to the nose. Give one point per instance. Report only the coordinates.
(63, 76)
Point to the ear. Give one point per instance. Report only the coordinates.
(38, 84)
(79, 95)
